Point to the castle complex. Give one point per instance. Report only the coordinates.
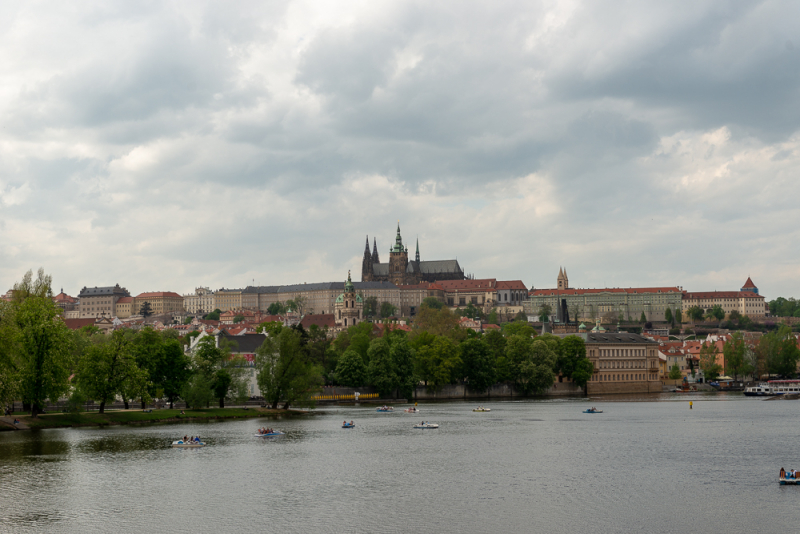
(401, 271)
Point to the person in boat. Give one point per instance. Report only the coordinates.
(197, 439)
(352, 423)
(185, 439)
(783, 473)
(344, 423)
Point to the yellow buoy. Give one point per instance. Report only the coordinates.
(690, 405)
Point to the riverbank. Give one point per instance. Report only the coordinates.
(134, 417)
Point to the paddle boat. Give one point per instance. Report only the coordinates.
(385, 409)
(189, 444)
(482, 409)
(411, 410)
(273, 434)
(426, 425)
(786, 478)
(592, 410)
(348, 425)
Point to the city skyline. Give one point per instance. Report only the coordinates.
(231, 145)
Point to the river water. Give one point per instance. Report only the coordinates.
(647, 464)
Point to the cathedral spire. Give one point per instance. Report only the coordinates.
(398, 241)
(366, 248)
(375, 258)
(417, 258)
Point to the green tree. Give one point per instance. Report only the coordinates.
(403, 358)
(370, 307)
(351, 370)
(782, 353)
(535, 370)
(478, 364)
(735, 315)
(695, 313)
(387, 309)
(678, 315)
(708, 361)
(492, 319)
(440, 322)
(108, 367)
(432, 302)
(238, 318)
(285, 371)
(381, 369)
(145, 310)
(717, 312)
(197, 392)
(9, 368)
(276, 308)
(572, 361)
(471, 311)
(174, 370)
(734, 351)
(675, 372)
(42, 350)
(435, 363)
(213, 316)
(544, 312)
(519, 328)
(668, 316)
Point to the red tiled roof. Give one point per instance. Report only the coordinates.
(208, 322)
(749, 284)
(451, 285)
(63, 297)
(512, 284)
(548, 292)
(77, 324)
(125, 300)
(154, 294)
(321, 320)
(490, 326)
(720, 295)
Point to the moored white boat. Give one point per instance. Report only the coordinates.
(773, 388)
(385, 409)
(411, 410)
(180, 444)
(482, 409)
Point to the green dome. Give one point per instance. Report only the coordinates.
(340, 298)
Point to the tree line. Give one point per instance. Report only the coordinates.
(42, 359)
(774, 353)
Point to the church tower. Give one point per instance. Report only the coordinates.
(563, 281)
(375, 258)
(398, 260)
(366, 264)
(417, 257)
(349, 307)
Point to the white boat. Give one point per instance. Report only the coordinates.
(180, 444)
(426, 425)
(773, 388)
(271, 434)
(482, 409)
(385, 409)
(411, 410)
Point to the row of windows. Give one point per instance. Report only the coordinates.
(619, 377)
(623, 365)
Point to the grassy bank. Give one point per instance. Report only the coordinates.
(126, 417)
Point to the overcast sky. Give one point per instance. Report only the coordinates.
(169, 145)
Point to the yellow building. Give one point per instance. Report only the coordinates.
(160, 302)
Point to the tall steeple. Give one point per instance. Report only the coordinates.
(375, 258)
(398, 241)
(366, 264)
(417, 258)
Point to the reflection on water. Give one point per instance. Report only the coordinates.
(526, 466)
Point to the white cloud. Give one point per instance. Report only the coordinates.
(168, 146)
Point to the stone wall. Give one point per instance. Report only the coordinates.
(498, 391)
(615, 388)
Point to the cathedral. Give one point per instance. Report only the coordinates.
(401, 271)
